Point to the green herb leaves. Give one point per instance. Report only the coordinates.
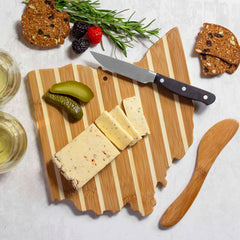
(120, 30)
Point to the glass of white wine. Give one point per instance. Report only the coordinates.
(13, 142)
(10, 77)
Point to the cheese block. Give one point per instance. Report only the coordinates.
(114, 132)
(118, 114)
(85, 156)
(134, 112)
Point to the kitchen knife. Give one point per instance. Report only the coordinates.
(146, 76)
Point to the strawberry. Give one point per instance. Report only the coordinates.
(94, 34)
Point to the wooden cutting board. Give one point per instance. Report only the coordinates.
(133, 176)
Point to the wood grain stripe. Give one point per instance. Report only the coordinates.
(135, 181)
(180, 119)
(150, 160)
(90, 196)
(108, 178)
(90, 192)
(41, 125)
(49, 132)
(156, 137)
(176, 98)
(78, 197)
(168, 107)
(108, 88)
(117, 89)
(139, 154)
(112, 169)
(130, 155)
(80, 191)
(100, 194)
(160, 113)
(57, 126)
(98, 89)
(144, 94)
(147, 144)
(181, 73)
(86, 124)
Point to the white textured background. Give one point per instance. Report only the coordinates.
(25, 208)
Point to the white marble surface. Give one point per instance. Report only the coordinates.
(25, 208)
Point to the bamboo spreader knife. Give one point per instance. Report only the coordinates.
(210, 146)
(144, 75)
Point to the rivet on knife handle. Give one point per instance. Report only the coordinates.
(185, 90)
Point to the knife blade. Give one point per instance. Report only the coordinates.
(144, 75)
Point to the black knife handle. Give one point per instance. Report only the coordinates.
(184, 89)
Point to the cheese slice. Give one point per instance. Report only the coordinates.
(114, 132)
(85, 156)
(118, 114)
(134, 112)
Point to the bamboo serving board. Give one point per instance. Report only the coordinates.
(132, 177)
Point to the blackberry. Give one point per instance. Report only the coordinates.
(79, 29)
(80, 45)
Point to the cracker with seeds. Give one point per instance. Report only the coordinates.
(43, 25)
(232, 68)
(214, 66)
(41, 7)
(218, 41)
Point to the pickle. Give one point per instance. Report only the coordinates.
(71, 107)
(74, 89)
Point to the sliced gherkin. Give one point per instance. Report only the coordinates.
(74, 89)
(71, 107)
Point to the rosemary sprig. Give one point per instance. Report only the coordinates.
(120, 30)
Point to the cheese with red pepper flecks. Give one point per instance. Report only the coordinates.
(85, 156)
(136, 116)
(113, 131)
(118, 114)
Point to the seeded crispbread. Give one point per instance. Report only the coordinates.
(40, 7)
(232, 68)
(218, 41)
(214, 66)
(45, 32)
(43, 25)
